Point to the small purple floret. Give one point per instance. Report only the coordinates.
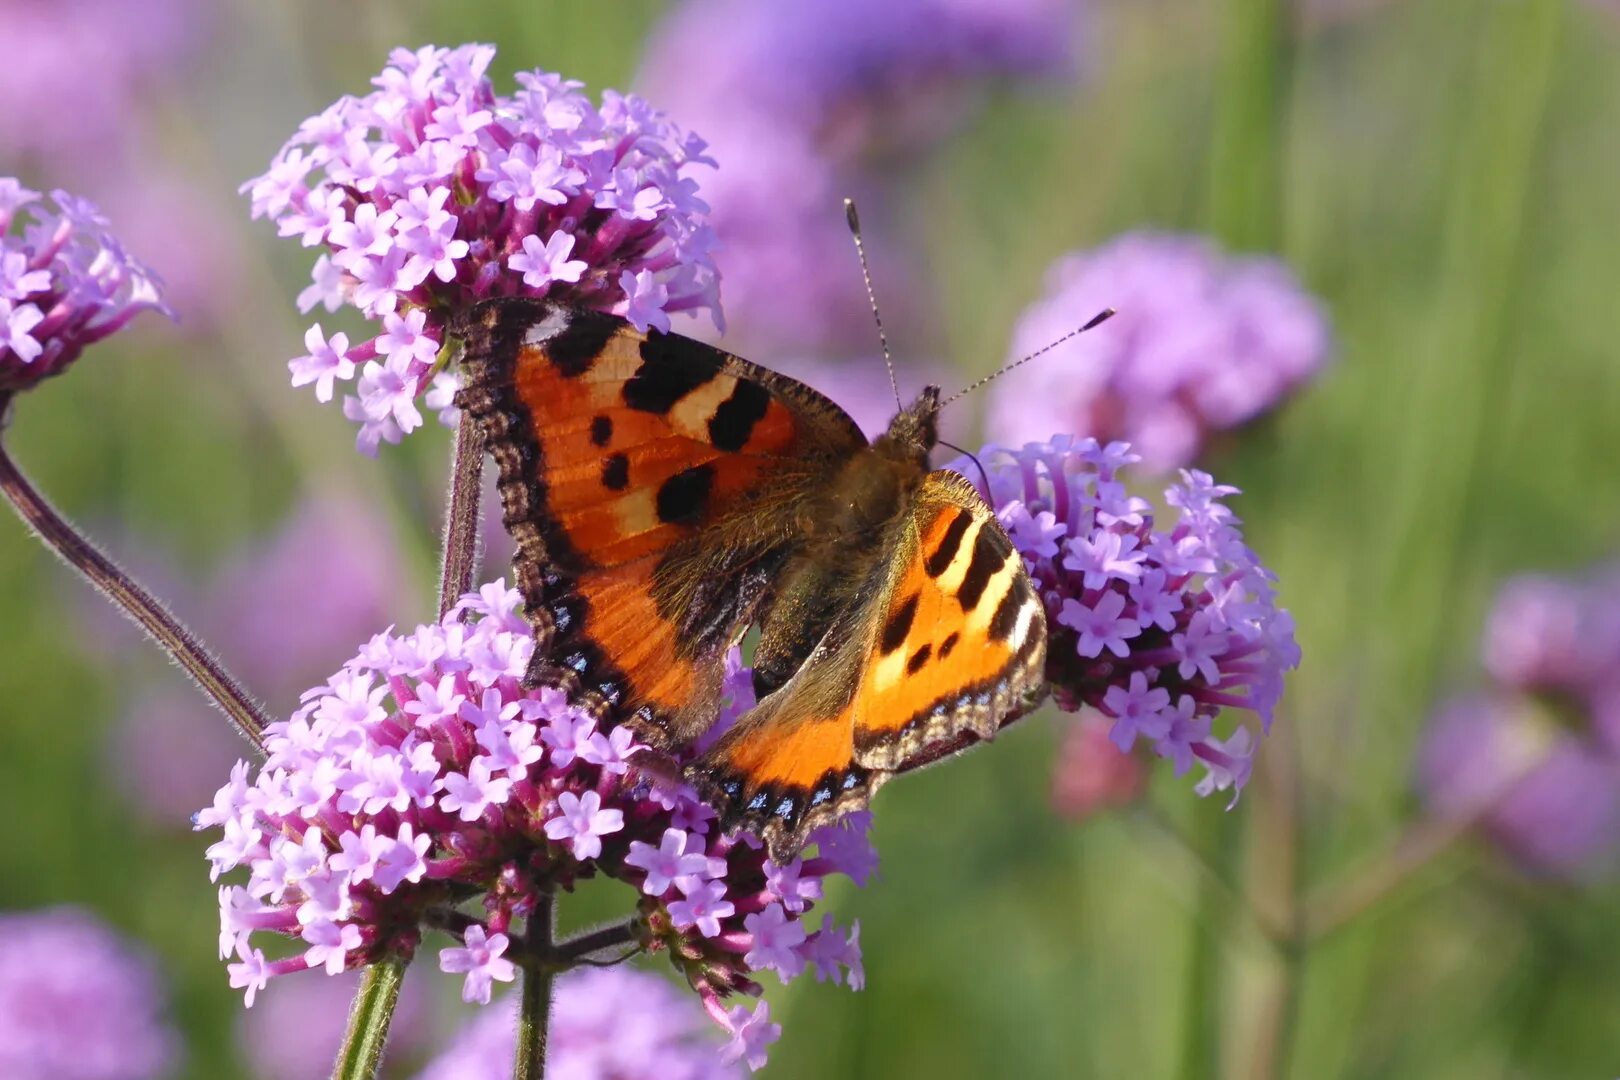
(434, 192)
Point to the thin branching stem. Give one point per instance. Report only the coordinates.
(460, 562)
(534, 1019)
(58, 534)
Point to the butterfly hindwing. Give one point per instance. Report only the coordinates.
(650, 482)
(951, 640)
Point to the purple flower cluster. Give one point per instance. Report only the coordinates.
(65, 282)
(1157, 630)
(1536, 754)
(78, 1003)
(605, 1022)
(802, 103)
(424, 776)
(1202, 342)
(433, 192)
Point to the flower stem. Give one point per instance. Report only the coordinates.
(461, 517)
(58, 534)
(369, 1017)
(580, 946)
(538, 975)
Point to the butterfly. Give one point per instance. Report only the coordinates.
(665, 497)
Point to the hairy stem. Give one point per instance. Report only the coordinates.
(58, 534)
(591, 941)
(461, 517)
(369, 1017)
(535, 1017)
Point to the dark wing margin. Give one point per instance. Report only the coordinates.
(649, 482)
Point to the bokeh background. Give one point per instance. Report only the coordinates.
(1441, 175)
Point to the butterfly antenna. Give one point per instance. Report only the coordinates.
(1095, 321)
(988, 490)
(871, 297)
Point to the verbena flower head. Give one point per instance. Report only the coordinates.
(1549, 795)
(870, 84)
(423, 786)
(608, 1022)
(1559, 636)
(1536, 754)
(1159, 629)
(65, 283)
(1202, 342)
(433, 192)
(77, 1002)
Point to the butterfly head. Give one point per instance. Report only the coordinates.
(915, 429)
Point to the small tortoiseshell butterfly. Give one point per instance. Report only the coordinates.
(666, 496)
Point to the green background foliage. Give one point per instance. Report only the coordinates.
(1444, 173)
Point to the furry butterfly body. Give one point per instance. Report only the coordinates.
(666, 497)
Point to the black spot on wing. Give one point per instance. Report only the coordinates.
(671, 367)
(683, 497)
(990, 551)
(949, 644)
(941, 556)
(919, 659)
(733, 422)
(899, 625)
(601, 430)
(616, 472)
(1006, 616)
(574, 348)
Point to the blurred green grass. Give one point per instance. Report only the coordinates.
(1443, 173)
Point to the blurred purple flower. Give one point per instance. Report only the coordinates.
(434, 192)
(1537, 755)
(1548, 795)
(1557, 635)
(1157, 630)
(294, 1031)
(1202, 343)
(74, 70)
(867, 82)
(65, 282)
(607, 1022)
(1092, 774)
(202, 278)
(424, 773)
(77, 1002)
(278, 609)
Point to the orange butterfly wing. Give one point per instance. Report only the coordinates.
(952, 641)
(648, 480)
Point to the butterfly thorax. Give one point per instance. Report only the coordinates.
(872, 488)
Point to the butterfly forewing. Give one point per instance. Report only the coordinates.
(665, 496)
(649, 481)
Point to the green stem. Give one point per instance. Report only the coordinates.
(58, 534)
(1251, 103)
(1244, 210)
(369, 1017)
(535, 1018)
(460, 562)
